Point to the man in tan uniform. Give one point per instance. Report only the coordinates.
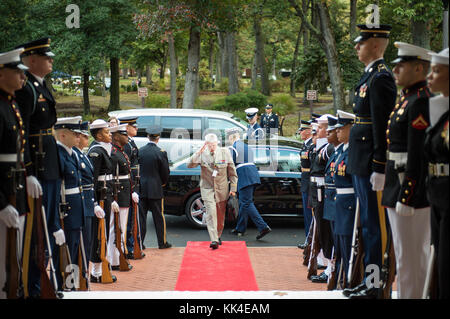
(217, 169)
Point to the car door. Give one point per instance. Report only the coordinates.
(265, 196)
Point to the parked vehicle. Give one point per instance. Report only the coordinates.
(278, 195)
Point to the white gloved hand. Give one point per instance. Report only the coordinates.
(377, 181)
(99, 212)
(115, 207)
(60, 238)
(10, 216)
(34, 188)
(135, 197)
(404, 210)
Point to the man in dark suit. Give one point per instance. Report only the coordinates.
(155, 174)
(269, 121)
(374, 100)
(37, 107)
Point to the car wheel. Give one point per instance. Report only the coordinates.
(194, 211)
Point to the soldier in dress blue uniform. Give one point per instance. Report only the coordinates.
(306, 135)
(374, 100)
(37, 107)
(122, 174)
(99, 154)
(87, 183)
(269, 121)
(437, 154)
(345, 202)
(155, 174)
(254, 131)
(132, 152)
(319, 159)
(72, 200)
(248, 179)
(404, 193)
(12, 174)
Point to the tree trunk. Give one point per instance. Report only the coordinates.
(211, 58)
(233, 82)
(125, 73)
(148, 74)
(114, 99)
(419, 29)
(221, 37)
(86, 104)
(353, 18)
(253, 75)
(191, 83)
(218, 61)
(173, 72)
(294, 61)
(259, 53)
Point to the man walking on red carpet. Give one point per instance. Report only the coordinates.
(217, 169)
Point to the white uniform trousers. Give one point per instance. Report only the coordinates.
(411, 239)
(113, 253)
(3, 252)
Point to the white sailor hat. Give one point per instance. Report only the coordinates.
(323, 119)
(233, 130)
(84, 128)
(98, 124)
(440, 58)
(11, 59)
(315, 127)
(332, 121)
(344, 118)
(70, 123)
(121, 129)
(409, 52)
(251, 112)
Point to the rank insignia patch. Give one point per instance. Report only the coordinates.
(419, 123)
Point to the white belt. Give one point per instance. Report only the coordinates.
(10, 157)
(244, 164)
(320, 181)
(102, 178)
(400, 159)
(72, 191)
(88, 187)
(124, 176)
(349, 190)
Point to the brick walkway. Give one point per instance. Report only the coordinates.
(275, 268)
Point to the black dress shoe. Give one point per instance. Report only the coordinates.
(98, 280)
(264, 232)
(165, 245)
(348, 291)
(214, 245)
(322, 278)
(220, 241)
(118, 268)
(368, 293)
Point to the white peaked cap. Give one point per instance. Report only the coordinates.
(440, 58)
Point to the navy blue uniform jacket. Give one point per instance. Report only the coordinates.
(247, 174)
(154, 167)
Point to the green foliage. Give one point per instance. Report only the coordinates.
(240, 101)
(282, 104)
(157, 101)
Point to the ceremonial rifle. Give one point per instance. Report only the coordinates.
(312, 265)
(137, 246)
(106, 271)
(307, 250)
(332, 279)
(388, 267)
(65, 260)
(82, 265)
(123, 263)
(13, 285)
(355, 270)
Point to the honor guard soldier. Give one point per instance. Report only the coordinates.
(345, 202)
(319, 159)
(37, 107)
(248, 179)
(132, 152)
(269, 121)
(72, 201)
(87, 183)
(437, 154)
(99, 154)
(254, 131)
(122, 178)
(374, 100)
(155, 172)
(306, 135)
(13, 196)
(404, 193)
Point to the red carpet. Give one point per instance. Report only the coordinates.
(226, 268)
